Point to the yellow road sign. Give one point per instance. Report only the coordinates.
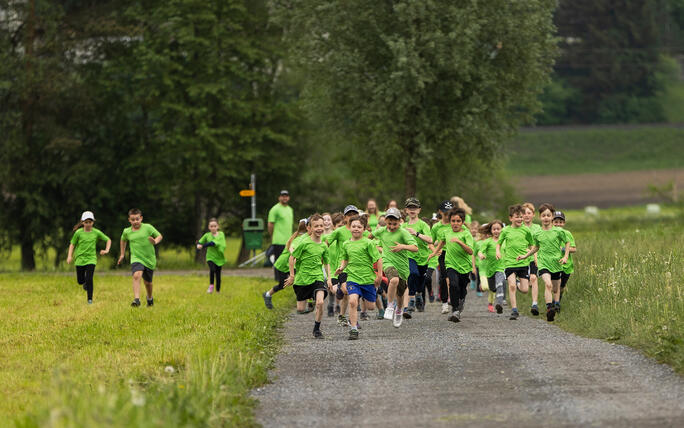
(246, 193)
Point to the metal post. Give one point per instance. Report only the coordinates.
(252, 186)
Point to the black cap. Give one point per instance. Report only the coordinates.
(284, 193)
(412, 202)
(350, 208)
(558, 214)
(446, 206)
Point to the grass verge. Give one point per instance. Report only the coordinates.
(191, 360)
(627, 283)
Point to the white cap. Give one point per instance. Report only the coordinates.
(87, 215)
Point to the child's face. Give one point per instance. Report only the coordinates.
(559, 222)
(213, 227)
(456, 223)
(413, 211)
(88, 224)
(317, 227)
(516, 219)
(371, 206)
(546, 217)
(135, 220)
(392, 223)
(327, 222)
(357, 229)
(528, 216)
(473, 228)
(496, 230)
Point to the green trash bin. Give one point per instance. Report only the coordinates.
(253, 229)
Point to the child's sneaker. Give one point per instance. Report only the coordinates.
(210, 289)
(490, 308)
(455, 316)
(445, 308)
(432, 298)
(557, 307)
(317, 334)
(480, 294)
(268, 301)
(389, 312)
(341, 320)
(353, 334)
(406, 314)
(364, 316)
(90, 301)
(514, 315)
(550, 313)
(499, 309)
(420, 303)
(135, 303)
(331, 311)
(534, 310)
(412, 305)
(150, 302)
(381, 314)
(398, 318)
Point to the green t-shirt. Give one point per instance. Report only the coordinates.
(373, 220)
(333, 254)
(215, 253)
(490, 265)
(476, 248)
(283, 261)
(360, 256)
(517, 241)
(85, 246)
(456, 257)
(569, 267)
(423, 251)
(310, 257)
(281, 216)
(548, 255)
(437, 230)
(142, 250)
(388, 240)
(534, 228)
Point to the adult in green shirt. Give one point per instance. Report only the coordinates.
(84, 242)
(142, 237)
(215, 243)
(417, 261)
(458, 260)
(280, 222)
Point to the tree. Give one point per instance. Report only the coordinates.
(422, 83)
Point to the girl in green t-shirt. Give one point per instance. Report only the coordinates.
(215, 243)
(84, 246)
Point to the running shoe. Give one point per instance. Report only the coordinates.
(445, 308)
(420, 303)
(514, 315)
(473, 284)
(398, 318)
(341, 320)
(432, 298)
(389, 312)
(534, 310)
(490, 308)
(455, 316)
(135, 303)
(480, 294)
(499, 309)
(305, 311)
(557, 307)
(550, 314)
(150, 302)
(210, 289)
(380, 315)
(331, 311)
(505, 303)
(407, 314)
(90, 301)
(412, 305)
(317, 334)
(353, 334)
(364, 316)
(461, 304)
(268, 301)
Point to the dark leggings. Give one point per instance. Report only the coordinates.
(84, 277)
(427, 280)
(458, 286)
(280, 277)
(443, 289)
(416, 279)
(215, 272)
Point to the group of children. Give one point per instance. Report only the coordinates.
(361, 261)
(389, 265)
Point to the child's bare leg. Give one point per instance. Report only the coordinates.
(148, 288)
(318, 314)
(548, 294)
(137, 276)
(524, 285)
(534, 285)
(511, 291)
(353, 314)
(392, 290)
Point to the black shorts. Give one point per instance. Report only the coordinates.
(306, 292)
(520, 272)
(533, 268)
(342, 278)
(564, 279)
(147, 272)
(554, 275)
(334, 281)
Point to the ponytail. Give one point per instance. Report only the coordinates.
(78, 226)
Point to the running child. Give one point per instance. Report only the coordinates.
(311, 254)
(282, 264)
(84, 242)
(436, 233)
(143, 237)
(547, 242)
(357, 257)
(338, 237)
(396, 243)
(417, 261)
(518, 239)
(569, 267)
(528, 216)
(491, 265)
(215, 243)
(432, 264)
(458, 260)
(332, 222)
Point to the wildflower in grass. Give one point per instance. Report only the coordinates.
(137, 398)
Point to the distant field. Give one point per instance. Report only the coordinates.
(579, 150)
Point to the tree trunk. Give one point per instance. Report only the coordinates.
(200, 214)
(28, 260)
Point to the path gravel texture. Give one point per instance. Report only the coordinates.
(481, 372)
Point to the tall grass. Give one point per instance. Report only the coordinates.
(191, 360)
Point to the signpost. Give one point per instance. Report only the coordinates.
(252, 228)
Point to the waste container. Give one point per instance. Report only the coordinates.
(253, 229)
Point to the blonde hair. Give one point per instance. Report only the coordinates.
(529, 206)
(460, 203)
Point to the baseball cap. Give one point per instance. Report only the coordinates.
(393, 212)
(304, 220)
(559, 214)
(87, 215)
(412, 202)
(350, 208)
(446, 206)
(284, 193)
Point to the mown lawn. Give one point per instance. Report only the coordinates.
(190, 360)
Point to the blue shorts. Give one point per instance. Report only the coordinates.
(366, 291)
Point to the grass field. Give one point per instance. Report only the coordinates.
(568, 150)
(188, 361)
(627, 284)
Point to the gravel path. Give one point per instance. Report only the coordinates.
(480, 372)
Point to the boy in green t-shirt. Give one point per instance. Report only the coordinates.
(569, 267)
(143, 237)
(337, 238)
(84, 242)
(215, 243)
(518, 239)
(282, 264)
(436, 232)
(528, 217)
(417, 261)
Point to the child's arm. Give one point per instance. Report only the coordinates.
(463, 245)
(378, 274)
(108, 245)
(122, 251)
(564, 260)
(290, 279)
(156, 240)
(70, 254)
(343, 264)
(531, 251)
(399, 247)
(437, 249)
(498, 251)
(326, 267)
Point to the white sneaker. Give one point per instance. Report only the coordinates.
(445, 308)
(398, 318)
(389, 311)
